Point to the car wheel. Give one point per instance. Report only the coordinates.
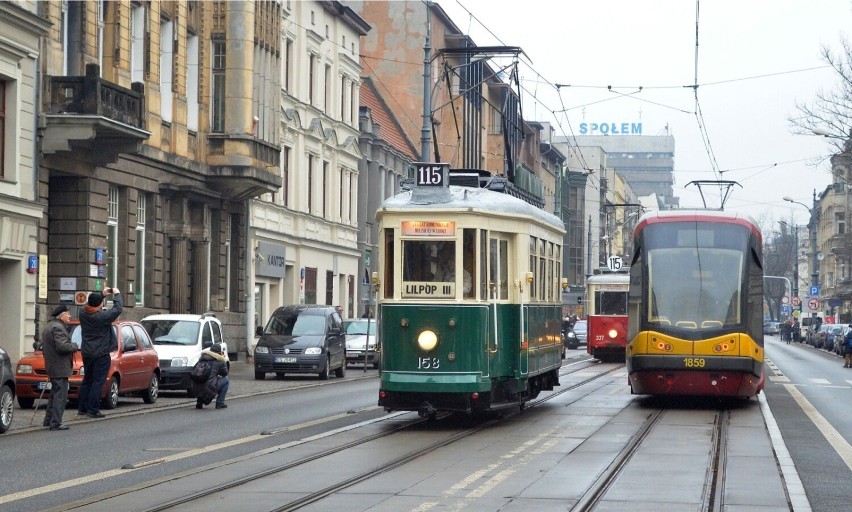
(26, 402)
(323, 375)
(110, 401)
(7, 408)
(341, 372)
(259, 375)
(150, 395)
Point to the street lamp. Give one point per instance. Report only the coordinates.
(812, 227)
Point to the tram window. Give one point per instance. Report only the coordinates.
(390, 263)
(469, 263)
(611, 303)
(483, 270)
(542, 278)
(533, 289)
(428, 260)
(504, 269)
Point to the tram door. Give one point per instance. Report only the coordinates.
(498, 282)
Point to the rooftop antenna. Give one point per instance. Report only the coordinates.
(725, 187)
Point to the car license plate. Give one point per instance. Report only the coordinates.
(43, 385)
(285, 359)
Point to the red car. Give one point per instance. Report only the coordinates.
(134, 369)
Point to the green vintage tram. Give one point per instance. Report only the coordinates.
(469, 296)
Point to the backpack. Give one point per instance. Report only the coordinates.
(200, 372)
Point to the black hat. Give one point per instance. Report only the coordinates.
(217, 348)
(95, 299)
(58, 310)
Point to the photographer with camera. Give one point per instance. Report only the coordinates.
(98, 342)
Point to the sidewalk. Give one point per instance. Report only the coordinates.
(242, 384)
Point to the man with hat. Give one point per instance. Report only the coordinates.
(98, 341)
(59, 359)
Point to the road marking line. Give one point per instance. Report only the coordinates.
(843, 448)
(795, 489)
(819, 381)
(779, 379)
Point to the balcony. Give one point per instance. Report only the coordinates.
(89, 118)
(242, 166)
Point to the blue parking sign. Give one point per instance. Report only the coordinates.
(814, 291)
(785, 308)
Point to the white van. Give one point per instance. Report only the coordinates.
(179, 340)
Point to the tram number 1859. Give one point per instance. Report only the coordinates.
(428, 363)
(694, 362)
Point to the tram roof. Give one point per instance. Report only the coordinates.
(464, 198)
(697, 215)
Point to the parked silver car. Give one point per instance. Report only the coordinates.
(7, 391)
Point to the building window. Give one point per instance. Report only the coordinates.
(288, 63)
(311, 59)
(101, 15)
(353, 102)
(310, 183)
(2, 128)
(63, 36)
(327, 86)
(192, 70)
(323, 188)
(310, 285)
(329, 287)
(137, 43)
(342, 194)
(285, 176)
(140, 250)
(342, 97)
(111, 275)
(166, 69)
(218, 102)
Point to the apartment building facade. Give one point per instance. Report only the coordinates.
(22, 270)
(159, 122)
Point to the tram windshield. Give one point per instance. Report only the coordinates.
(695, 276)
(429, 261)
(610, 303)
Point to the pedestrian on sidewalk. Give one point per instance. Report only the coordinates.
(216, 385)
(98, 341)
(847, 354)
(58, 352)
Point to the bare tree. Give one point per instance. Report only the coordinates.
(830, 114)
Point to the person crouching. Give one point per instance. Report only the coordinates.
(217, 383)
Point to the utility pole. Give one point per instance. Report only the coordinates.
(425, 131)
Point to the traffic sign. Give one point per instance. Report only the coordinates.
(796, 301)
(785, 300)
(785, 309)
(813, 305)
(814, 291)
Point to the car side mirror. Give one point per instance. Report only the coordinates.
(258, 330)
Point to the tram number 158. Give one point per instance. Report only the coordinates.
(428, 363)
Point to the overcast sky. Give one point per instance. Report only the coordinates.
(755, 60)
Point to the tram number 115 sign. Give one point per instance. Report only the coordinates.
(614, 262)
(431, 175)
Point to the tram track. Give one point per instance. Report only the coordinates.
(712, 499)
(210, 493)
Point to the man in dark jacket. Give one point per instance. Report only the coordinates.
(98, 341)
(217, 383)
(59, 359)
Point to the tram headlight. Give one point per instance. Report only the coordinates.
(612, 333)
(427, 340)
